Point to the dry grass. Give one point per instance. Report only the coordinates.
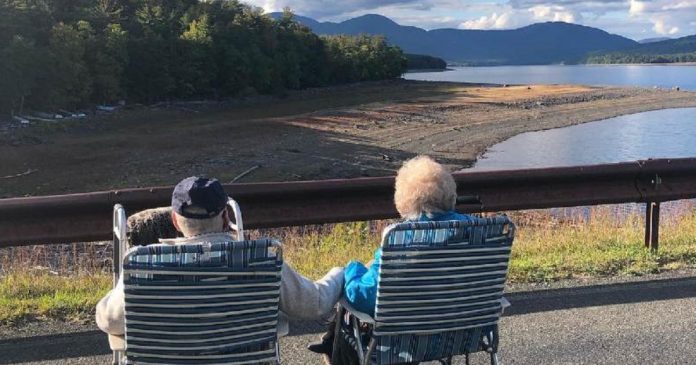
(65, 282)
(600, 246)
(35, 295)
(315, 250)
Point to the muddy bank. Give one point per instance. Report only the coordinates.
(341, 133)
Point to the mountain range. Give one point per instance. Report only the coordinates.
(653, 40)
(669, 46)
(541, 43)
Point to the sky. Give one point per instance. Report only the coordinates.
(630, 18)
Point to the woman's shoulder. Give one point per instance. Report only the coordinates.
(455, 216)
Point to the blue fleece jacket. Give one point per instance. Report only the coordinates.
(361, 282)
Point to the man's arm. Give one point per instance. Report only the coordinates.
(110, 311)
(301, 298)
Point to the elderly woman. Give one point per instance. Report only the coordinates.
(424, 191)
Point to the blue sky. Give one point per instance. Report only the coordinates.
(631, 18)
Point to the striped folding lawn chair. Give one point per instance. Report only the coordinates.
(203, 303)
(439, 293)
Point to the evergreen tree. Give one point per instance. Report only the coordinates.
(66, 54)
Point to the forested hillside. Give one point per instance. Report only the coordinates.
(667, 51)
(424, 62)
(69, 53)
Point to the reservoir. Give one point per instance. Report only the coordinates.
(668, 133)
(663, 76)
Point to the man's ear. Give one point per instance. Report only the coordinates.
(176, 224)
(226, 218)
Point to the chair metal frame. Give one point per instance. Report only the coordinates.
(120, 249)
(355, 319)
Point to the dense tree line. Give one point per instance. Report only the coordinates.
(424, 62)
(642, 58)
(69, 53)
(667, 51)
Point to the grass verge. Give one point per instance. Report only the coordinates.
(28, 296)
(554, 249)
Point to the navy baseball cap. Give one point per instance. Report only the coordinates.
(199, 198)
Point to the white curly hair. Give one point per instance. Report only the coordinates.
(424, 186)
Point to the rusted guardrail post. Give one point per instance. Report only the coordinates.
(652, 225)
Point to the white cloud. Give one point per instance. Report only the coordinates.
(330, 8)
(493, 21)
(661, 27)
(510, 17)
(553, 13)
(636, 8)
(688, 4)
(269, 5)
(668, 17)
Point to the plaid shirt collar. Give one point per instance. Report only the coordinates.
(207, 237)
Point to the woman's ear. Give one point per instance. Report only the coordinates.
(176, 224)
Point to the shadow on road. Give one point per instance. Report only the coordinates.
(93, 343)
(52, 347)
(600, 295)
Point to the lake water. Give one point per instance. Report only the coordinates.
(663, 76)
(656, 134)
(669, 133)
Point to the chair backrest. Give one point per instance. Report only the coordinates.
(440, 284)
(204, 303)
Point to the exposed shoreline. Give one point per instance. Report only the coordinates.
(340, 132)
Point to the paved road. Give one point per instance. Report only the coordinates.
(649, 322)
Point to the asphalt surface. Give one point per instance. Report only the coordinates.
(646, 322)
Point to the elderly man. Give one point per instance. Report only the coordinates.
(199, 212)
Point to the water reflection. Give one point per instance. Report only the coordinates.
(669, 133)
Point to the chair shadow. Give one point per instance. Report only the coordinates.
(600, 295)
(53, 347)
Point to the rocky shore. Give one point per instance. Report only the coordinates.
(342, 132)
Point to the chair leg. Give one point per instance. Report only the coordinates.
(340, 313)
(358, 338)
(466, 359)
(277, 351)
(370, 350)
(494, 358)
(117, 358)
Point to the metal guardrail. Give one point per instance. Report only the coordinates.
(87, 217)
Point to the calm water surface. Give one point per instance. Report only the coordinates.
(622, 75)
(656, 134)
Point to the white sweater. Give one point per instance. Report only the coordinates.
(300, 298)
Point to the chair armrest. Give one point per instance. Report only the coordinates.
(117, 343)
(504, 303)
(363, 317)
